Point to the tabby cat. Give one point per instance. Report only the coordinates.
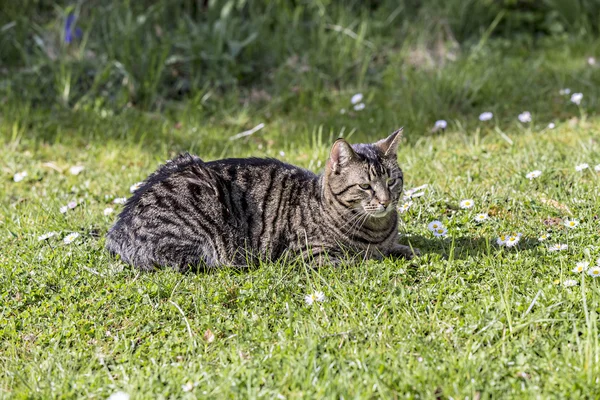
(191, 213)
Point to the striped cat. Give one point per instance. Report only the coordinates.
(191, 213)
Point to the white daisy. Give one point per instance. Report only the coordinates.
(558, 247)
(512, 241)
(440, 232)
(525, 117)
(70, 238)
(581, 167)
(120, 200)
(108, 211)
(316, 296)
(76, 169)
(576, 98)
(404, 207)
(564, 92)
(551, 125)
(501, 241)
(580, 267)
(591, 61)
(594, 271)
(46, 236)
(543, 237)
(571, 223)
(19, 176)
(63, 209)
(468, 203)
(533, 174)
(597, 168)
(440, 124)
(357, 98)
(118, 396)
(486, 116)
(435, 225)
(481, 217)
(135, 186)
(359, 106)
(570, 283)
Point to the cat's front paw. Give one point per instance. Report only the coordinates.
(406, 252)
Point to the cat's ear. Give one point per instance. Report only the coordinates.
(341, 154)
(389, 145)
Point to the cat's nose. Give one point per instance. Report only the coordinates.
(385, 202)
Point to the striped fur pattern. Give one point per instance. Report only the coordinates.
(191, 213)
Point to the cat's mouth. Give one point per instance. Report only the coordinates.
(378, 212)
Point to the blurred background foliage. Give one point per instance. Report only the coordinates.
(107, 56)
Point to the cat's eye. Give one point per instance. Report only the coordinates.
(364, 186)
(391, 181)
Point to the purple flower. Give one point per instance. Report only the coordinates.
(70, 29)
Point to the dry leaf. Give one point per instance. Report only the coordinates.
(555, 204)
(209, 337)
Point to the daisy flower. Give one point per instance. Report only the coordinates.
(19, 176)
(570, 283)
(501, 241)
(533, 174)
(435, 225)
(594, 271)
(564, 92)
(481, 217)
(558, 247)
(108, 211)
(580, 267)
(71, 205)
(359, 106)
(571, 223)
(581, 167)
(543, 237)
(597, 168)
(46, 236)
(525, 117)
(440, 124)
(118, 396)
(468, 203)
(591, 61)
(576, 98)
(512, 241)
(551, 125)
(70, 238)
(76, 169)
(316, 296)
(135, 186)
(357, 98)
(120, 200)
(440, 232)
(404, 207)
(63, 209)
(486, 116)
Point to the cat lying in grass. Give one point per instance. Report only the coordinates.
(191, 213)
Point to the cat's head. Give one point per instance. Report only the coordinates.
(365, 177)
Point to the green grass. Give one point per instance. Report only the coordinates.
(460, 320)
(467, 319)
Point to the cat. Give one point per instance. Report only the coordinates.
(196, 214)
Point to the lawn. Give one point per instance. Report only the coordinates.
(471, 318)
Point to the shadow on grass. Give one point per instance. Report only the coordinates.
(461, 248)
